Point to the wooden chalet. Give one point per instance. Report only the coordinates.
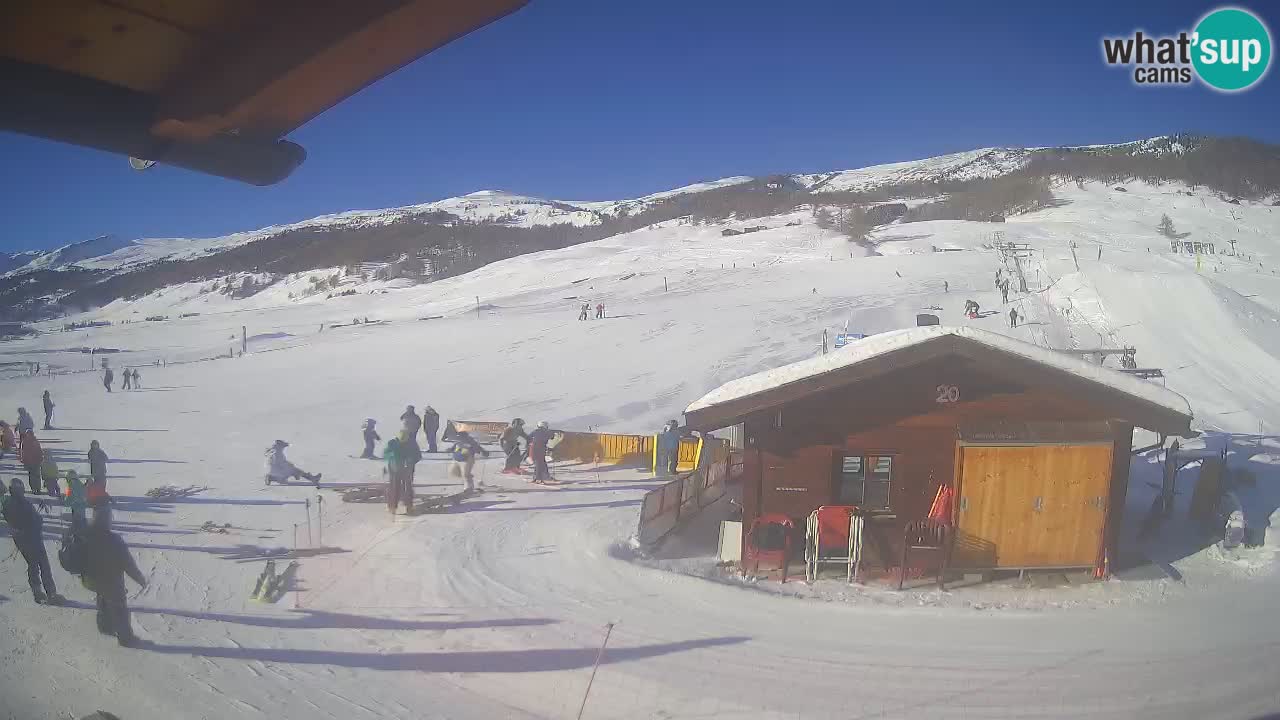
(1034, 444)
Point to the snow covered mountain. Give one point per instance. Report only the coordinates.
(439, 239)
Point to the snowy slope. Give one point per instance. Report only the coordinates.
(497, 608)
(971, 165)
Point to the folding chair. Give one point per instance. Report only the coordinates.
(769, 539)
(926, 535)
(826, 538)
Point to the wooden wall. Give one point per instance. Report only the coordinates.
(791, 453)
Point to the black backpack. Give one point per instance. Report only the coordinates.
(73, 553)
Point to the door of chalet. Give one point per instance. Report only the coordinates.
(1031, 506)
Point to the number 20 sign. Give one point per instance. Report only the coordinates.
(947, 394)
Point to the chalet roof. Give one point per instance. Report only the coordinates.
(1141, 402)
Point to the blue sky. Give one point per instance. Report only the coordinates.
(582, 100)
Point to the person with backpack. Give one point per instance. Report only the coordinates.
(98, 464)
(396, 473)
(31, 455)
(430, 426)
(27, 528)
(371, 436)
(107, 560)
(464, 452)
(48, 410)
(509, 441)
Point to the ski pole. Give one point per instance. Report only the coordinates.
(608, 630)
(320, 519)
(308, 506)
(295, 538)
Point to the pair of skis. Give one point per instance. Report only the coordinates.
(271, 585)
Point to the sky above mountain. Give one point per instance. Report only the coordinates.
(593, 101)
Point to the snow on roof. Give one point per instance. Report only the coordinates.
(888, 342)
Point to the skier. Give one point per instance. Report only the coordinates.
(430, 426)
(48, 410)
(76, 499)
(31, 455)
(599, 310)
(27, 528)
(946, 286)
(411, 421)
(107, 377)
(49, 471)
(584, 311)
(1013, 317)
(7, 440)
(25, 422)
(540, 440)
(510, 443)
(107, 561)
(98, 465)
(668, 445)
(137, 379)
(410, 455)
(370, 437)
(128, 375)
(396, 475)
(1004, 291)
(279, 469)
(464, 452)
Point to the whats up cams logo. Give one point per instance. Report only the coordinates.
(1229, 50)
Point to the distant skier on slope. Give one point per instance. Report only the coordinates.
(128, 376)
(48, 410)
(370, 437)
(1004, 292)
(599, 311)
(430, 426)
(1013, 317)
(107, 561)
(27, 528)
(279, 469)
(464, 452)
(509, 441)
(107, 377)
(584, 311)
(137, 379)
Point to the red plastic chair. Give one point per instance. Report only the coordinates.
(826, 536)
(777, 553)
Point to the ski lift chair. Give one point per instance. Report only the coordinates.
(769, 540)
(926, 535)
(826, 538)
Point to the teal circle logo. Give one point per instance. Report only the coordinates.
(1232, 49)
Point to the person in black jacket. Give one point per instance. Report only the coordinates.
(509, 441)
(371, 436)
(27, 528)
(48, 411)
(539, 443)
(412, 423)
(430, 426)
(108, 561)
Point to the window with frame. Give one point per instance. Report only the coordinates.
(865, 481)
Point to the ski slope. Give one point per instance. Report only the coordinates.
(498, 608)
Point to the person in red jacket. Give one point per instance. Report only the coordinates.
(31, 455)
